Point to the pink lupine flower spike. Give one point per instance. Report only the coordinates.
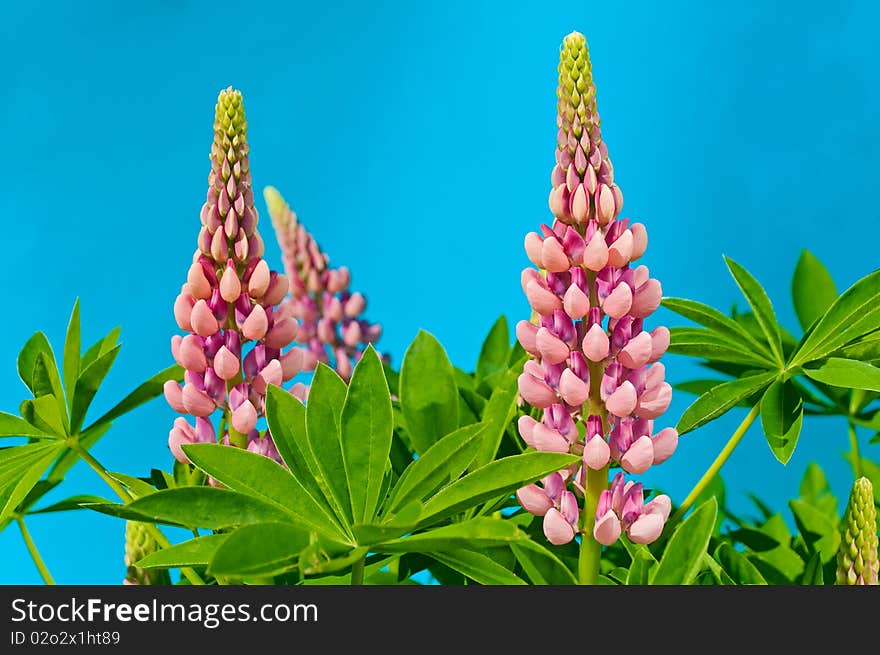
(594, 371)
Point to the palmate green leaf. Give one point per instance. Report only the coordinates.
(865, 349)
(13, 426)
(87, 385)
(818, 529)
(19, 474)
(70, 360)
(260, 549)
(718, 400)
(771, 552)
(428, 392)
(782, 414)
(846, 373)
(401, 523)
(100, 347)
(683, 556)
(738, 566)
(35, 494)
(700, 342)
(722, 325)
(366, 435)
(197, 507)
(286, 417)
(501, 476)
(195, 552)
(854, 314)
(446, 460)
(478, 567)
(761, 307)
(324, 431)
(495, 350)
(473, 533)
(540, 564)
(813, 573)
(812, 289)
(261, 478)
(497, 416)
(137, 487)
(69, 457)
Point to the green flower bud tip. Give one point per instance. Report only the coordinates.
(857, 558)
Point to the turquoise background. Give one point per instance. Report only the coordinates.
(415, 140)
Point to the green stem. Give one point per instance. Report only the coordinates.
(35, 554)
(591, 550)
(126, 498)
(357, 571)
(712, 471)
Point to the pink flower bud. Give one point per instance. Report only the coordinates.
(291, 363)
(526, 425)
(554, 257)
(355, 305)
(183, 306)
(196, 401)
(552, 349)
(646, 529)
(525, 334)
(572, 389)
(548, 440)
(282, 333)
(654, 401)
(173, 396)
(191, 354)
(557, 530)
(343, 364)
(226, 364)
(533, 245)
(575, 302)
(259, 280)
(637, 352)
(620, 252)
(204, 323)
(639, 457)
(351, 334)
(534, 500)
(580, 205)
(623, 401)
(607, 529)
(646, 299)
(196, 282)
(595, 343)
(605, 209)
(535, 391)
(256, 324)
(596, 252)
(659, 342)
(542, 299)
(244, 418)
(665, 443)
(640, 241)
(619, 301)
(278, 287)
(230, 285)
(597, 453)
(272, 373)
(181, 433)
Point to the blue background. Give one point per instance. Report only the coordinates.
(416, 143)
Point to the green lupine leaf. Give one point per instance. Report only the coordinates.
(135, 486)
(813, 573)
(27, 358)
(366, 435)
(195, 552)
(72, 503)
(478, 567)
(846, 373)
(540, 564)
(855, 313)
(428, 392)
(13, 426)
(87, 385)
(43, 413)
(196, 507)
(760, 304)
(70, 361)
(719, 400)
(497, 416)
(324, 429)
(48, 383)
(100, 347)
(501, 476)
(286, 417)
(683, 556)
(812, 289)
(700, 342)
(718, 322)
(738, 566)
(87, 439)
(782, 414)
(495, 350)
(866, 349)
(818, 529)
(446, 460)
(262, 549)
(16, 482)
(473, 533)
(261, 478)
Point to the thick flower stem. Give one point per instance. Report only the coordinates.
(712, 471)
(591, 550)
(125, 497)
(35, 554)
(357, 571)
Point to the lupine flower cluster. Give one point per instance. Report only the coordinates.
(858, 562)
(236, 334)
(330, 325)
(594, 368)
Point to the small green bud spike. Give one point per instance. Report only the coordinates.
(857, 559)
(138, 544)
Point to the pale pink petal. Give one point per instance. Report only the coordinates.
(597, 453)
(575, 302)
(596, 344)
(607, 528)
(525, 334)
(654, 401)
(542, 299)
(619, 301)
(534, 500)
(620, 252)
(646, 299)
(536, 392)
(646, 529)
(623, 401)
(553, 255)
(659, 342)
(665, 443)
(557, 530)
(640, 240)
(551, 347)
(533, 248)
(572, 389)
(639, 456)
(596, 252)
(549, 440)
(637, 351)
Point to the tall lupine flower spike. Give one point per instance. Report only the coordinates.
(331, 325)
(138, 544)
(857, 559)
(236, 334)
(594, 367)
